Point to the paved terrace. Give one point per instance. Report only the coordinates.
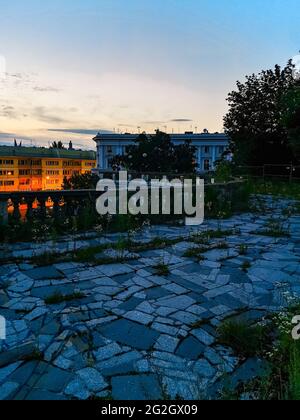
(135, 334)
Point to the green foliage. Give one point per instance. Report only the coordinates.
(275, 229)
(223, 171)
(243, 249)
(162, 269)
(275, 188)
(57, 145)
(246, 340)
(291, 118)
(87, 181)
(58, 298)
(246, 265)
(195, 252)
(157, 154)
(45, 259)
(254, 121)
(283, 356)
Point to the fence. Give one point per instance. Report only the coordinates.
(288, 172)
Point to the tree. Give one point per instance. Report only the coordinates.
(157, 153)
(86, 181)
(254, 120)
(57, 145)
(291, 118)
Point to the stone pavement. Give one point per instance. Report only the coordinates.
(132, 334)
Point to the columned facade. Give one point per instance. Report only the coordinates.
(209, 147)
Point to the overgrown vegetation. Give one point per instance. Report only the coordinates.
(162, 269)
(275, 229)
(57, 298)
(274, 343)
(246, 340)
(275, 188)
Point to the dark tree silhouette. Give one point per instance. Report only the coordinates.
(86, 181)
(291, 118)
(57, 145)
(254, 121)
(157, 153)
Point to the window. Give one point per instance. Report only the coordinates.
(221, 149)
(6, 162)
(206, 164)
(36, 162)
(7, 173)
(52, 172)
(71, 163)
(24, 182)
(52, 163)
(24, 162)
(24, 171)
(9, 183)
(206, 150)
(109, 149)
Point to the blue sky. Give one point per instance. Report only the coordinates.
(83, 66)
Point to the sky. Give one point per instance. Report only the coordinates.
(71, 68)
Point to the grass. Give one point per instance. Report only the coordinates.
(88, 254)
(246, 266)
(275, 229)
(243, 249)
(222, 245)
(283, 380)
(58, 298)
(213, 234)
(275, 345)
(36, 355)
(246, 340)
(195, 252)
(162, 270)
(276, 188)
(46, 259)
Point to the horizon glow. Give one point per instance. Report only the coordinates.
(77, 67)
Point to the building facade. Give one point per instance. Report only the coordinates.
(37, 168)
(209, 147)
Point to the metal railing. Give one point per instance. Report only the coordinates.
(287, 172)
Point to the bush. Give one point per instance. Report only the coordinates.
(223, 172)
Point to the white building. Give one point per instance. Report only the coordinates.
(210, 147)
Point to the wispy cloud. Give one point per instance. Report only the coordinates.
(82, 131)
(181, 120)
(8, 111)
(47, 89)
(46, 115)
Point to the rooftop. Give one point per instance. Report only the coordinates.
(42, 152)
(182, 136)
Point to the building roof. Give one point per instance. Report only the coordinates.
(178, 137)
(42, 152)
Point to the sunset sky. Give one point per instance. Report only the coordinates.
(75, 67)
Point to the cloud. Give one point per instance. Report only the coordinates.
(48, 89)
(154, 122)
(46, 115)
(8, 111)
(80, 131)
(181, 120)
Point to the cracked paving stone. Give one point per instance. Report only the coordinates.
(142, 387)
(139, 317)
(93, 380)
(130, 333)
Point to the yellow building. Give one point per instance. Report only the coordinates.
(38, 168)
